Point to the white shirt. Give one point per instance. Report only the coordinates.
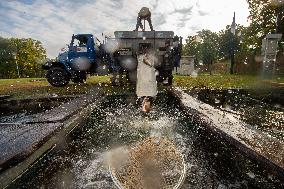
(146, 78)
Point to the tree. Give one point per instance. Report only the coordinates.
(209, 47)
(7, 68)
(28, 53)
(203, 46)
(192, 48)
(267, 16)
(229, 45)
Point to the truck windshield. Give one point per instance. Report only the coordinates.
(80, 41)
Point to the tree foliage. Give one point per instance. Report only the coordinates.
(229, 43)
(192, 48)
(203, 46)
(267, 16)
(28, 54)
(6, 68)
(209, 46)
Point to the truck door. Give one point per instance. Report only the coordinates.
(82, 47)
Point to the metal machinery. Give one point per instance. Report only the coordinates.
(163, 45)
(114, 56)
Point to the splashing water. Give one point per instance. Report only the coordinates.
(118, 123)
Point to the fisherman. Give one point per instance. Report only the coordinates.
(146, 87)
(144, 14)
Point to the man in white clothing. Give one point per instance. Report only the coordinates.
(146, 86)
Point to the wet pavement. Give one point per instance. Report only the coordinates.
(211, 162)
(21, 135)
(12, 108)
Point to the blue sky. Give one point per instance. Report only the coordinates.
(54, 21)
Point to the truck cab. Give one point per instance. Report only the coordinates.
(82, 45)
(73, 64)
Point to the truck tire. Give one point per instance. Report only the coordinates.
(57, 76)
(132, 77)
(170, 80)
(80, 77)
(78, 80)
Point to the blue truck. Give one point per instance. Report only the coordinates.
(114, 56)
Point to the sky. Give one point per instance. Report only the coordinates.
(54, 21)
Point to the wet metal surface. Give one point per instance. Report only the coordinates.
(20, 136)
(22, 107)
(56, 114)
(20, 140)
(211, 162)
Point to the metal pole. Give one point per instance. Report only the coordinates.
(264, 59)
(233, 31)
(232, 61)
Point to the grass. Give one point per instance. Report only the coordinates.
(279, 80)
(223, 81)
(216, 81)
(39, 87)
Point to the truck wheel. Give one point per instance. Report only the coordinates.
(132, 77)
(170, 80)
(57, 76)
(80, 78)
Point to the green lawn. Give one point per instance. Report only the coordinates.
(225, 81)
(39, 87)
(279, 80)
(216, 81)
